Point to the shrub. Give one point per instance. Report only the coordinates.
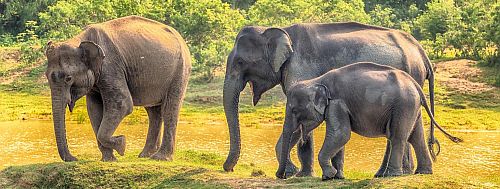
(29, 43)
(209, 27)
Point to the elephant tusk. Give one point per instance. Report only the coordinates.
(71, 105)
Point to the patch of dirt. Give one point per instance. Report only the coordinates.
(251, 182)
(461, 76)
(9, 55)
(10, 62)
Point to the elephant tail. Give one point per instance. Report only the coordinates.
(430, 76)
(423, 101)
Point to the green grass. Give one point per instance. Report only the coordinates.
(192, 169)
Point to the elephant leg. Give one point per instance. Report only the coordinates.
(408, 164)
(305, 151)
(398, 128)
(290, 169)
(153, 137)
(338, 163)
(383, 167)
(95, 111)
(338, 132)
(117, 105)
(417, 139)
(170, 112)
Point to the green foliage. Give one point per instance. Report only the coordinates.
(7, 39)
(468, 29)
(209, 27)
(435, 49)
(439, 18)
(283, 13)
(383, 16)
(67, 18)
(14, 14)
(29, 43)
(469, 34)
(493, 35)
(240, 4)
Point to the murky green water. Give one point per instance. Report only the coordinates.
(28, 142)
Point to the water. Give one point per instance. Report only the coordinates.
(28, 142)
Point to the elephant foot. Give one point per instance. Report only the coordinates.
(427, 171)
(408, 168)
(161, 156)
(111, 158)
(302, 173)
(120, 145)
(328, 175)
(147, 152)
(388, 172)
(69, 158)
(291, 170)
(339, 175)
(407, 171)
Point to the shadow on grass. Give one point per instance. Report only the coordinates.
(485, 100)
(185, 180)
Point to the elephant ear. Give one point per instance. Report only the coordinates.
(320, 97)
(92, 55)
(279, 47)
(49, 48)
(249, 48)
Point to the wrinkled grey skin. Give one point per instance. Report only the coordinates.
(126, 62)
(369, 99)
(266, 57)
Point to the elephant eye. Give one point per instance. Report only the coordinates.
(68, 79)
(57, 75)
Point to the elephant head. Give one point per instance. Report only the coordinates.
(257, 58)
(71, 72)
(305, 110)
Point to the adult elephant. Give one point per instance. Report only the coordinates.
(265, 57)
(118, 64)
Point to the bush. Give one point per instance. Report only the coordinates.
(67, 18)
(209, 27)
(284, 13)
(14, 14)
(7, 39)
(469, 28)
(439, 18)
(383, 16)
(29, 42)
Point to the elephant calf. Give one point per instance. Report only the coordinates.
(118, 64)
(369, 99)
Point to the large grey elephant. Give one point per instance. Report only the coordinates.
(118, 64)
(369, 99)
(266, 57)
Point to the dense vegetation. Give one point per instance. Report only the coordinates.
(465, 99)
(446, 28)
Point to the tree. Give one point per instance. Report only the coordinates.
(383, 16)
(283, 13)
(67, 18)
(209, 28)
(240, 4)
(439, 18)
(469, 33)
(15, 13)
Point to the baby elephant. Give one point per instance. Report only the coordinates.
(369, 99)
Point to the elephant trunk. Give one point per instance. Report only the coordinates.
(288, 128)
(231, 95)
(58, 116)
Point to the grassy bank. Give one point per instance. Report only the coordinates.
(193, 169)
